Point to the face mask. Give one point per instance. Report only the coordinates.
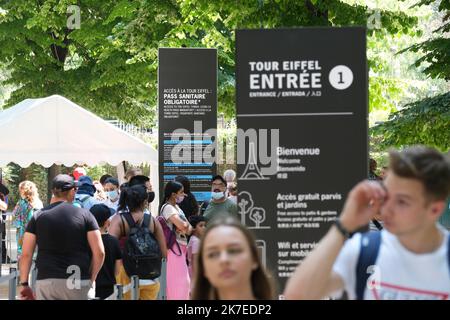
(150, 196)
(217, 195)
(113, 195)
(180, 199)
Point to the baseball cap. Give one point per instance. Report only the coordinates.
(101, 212)
(85, 180)
(219, 177)
(64, 182)
(78, 172)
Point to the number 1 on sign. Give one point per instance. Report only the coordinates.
(341, 80)
(337, 75)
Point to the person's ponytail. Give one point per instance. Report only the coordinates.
(123, 199)
(162, 204)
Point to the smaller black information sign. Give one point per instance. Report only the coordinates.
(187, 97)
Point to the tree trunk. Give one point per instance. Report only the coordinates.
(53, 171)
(315, 10)
(25, 173)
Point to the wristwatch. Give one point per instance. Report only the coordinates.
(341, 229)
(23, 284)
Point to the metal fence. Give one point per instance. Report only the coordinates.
(131, 129)
(13, 276)
(13, 279)
(119, 290)
(8, 240)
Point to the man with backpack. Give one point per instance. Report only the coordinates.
(85, 195)
(409, 259)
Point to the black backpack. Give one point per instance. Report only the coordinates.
(141, 254)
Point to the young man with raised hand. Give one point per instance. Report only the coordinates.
(409, 259)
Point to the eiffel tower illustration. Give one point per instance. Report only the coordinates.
(252, 171)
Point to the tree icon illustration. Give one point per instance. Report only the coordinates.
(258, 216)
(245, 204)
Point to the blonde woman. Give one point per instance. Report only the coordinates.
(28, 203)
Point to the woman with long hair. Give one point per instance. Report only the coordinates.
(189, 205)
(178, 280)
(228, 266)
(23, 212)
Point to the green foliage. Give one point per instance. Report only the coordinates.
(425, 121)
(13, 174)
(212, 24)
(109, 65)
(96, 66)
(11, 178)
(382, 92)
(422, 122)
(97, 171)
(437, 55)
(227, 144)
(436, 50)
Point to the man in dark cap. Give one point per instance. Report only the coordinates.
(70, 248)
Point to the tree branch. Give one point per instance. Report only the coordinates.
(315, 11)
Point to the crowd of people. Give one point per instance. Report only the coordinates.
(88, 216)
(98, 226)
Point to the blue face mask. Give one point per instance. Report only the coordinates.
(113, 195)
(217, 195)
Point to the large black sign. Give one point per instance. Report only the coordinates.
(302, 116)
(187, 96)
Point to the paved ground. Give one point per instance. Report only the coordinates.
(12, 252)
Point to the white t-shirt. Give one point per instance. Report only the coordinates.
(170, 210)
(401, 274)
(110, 204)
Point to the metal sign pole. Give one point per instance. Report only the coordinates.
(12, 284)
(135, 288)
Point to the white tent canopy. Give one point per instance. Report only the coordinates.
(54, 130)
